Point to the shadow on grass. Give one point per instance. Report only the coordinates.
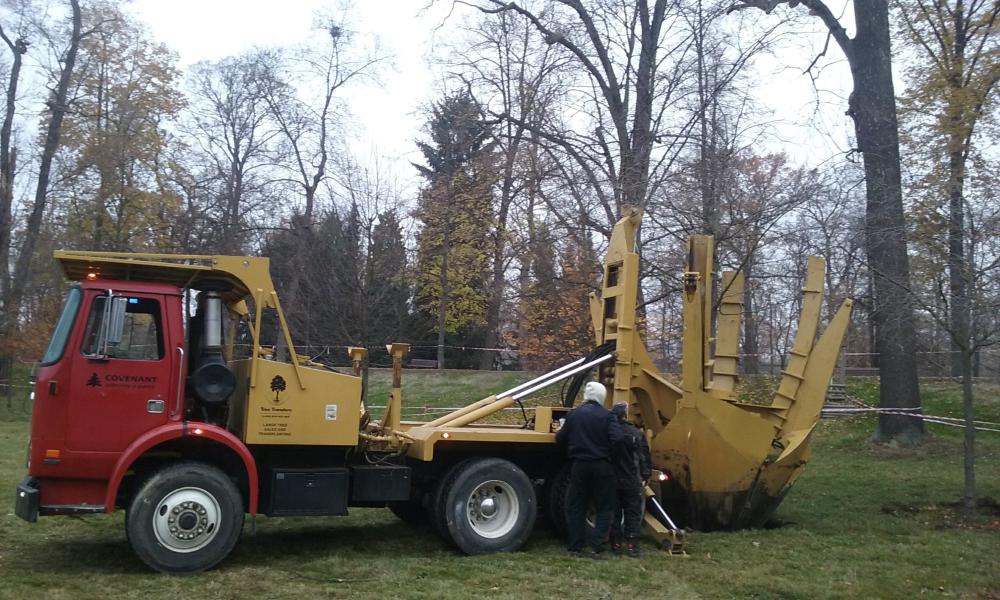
(776, 523)
(276, 543)
(79, 556)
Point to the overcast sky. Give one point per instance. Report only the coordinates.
(387, 117)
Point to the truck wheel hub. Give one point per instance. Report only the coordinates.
(488, 507)
(186, 519)
(493, 509)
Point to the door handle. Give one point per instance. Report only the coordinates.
(154, 407)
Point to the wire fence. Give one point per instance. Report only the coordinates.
(15, 386)
(930, 363)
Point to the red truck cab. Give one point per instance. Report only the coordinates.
(92, 402)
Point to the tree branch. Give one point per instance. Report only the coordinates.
(816, 8)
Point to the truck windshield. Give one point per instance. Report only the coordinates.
(61, 333)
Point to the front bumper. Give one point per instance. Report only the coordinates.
(27, 499)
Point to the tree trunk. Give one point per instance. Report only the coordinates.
(57, 106)
(7, 166)
(495, 300)
(707, 152)
(751, 349)
(873, 108)
(969, 441)
(231, 241)
(958, 288)
(493, 304)
(635, 163)
(442, 322)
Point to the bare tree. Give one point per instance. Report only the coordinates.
(632, 62)
(231, 127)
(622, 74)
(57, 105)
(304, 110)
(18, 47)
(980, 328)
(306, 115)
(755, 193)
(872, 106)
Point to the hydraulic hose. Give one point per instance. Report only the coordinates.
(581, 378)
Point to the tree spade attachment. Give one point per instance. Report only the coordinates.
(729, 461)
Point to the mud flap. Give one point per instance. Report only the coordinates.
(27, 499)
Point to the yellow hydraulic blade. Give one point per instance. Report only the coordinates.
(811, 392)
(727, 342)
(714, 446)
(812, 297)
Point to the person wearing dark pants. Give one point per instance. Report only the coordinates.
(632, 466)
(590, 434)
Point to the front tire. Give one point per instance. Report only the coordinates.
(185, 518)
(488, 505)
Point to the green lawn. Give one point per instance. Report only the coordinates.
(862, 522)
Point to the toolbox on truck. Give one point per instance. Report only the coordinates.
(308, 492)
(380, 483)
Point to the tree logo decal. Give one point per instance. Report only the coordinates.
(94, 381)
(277, 386)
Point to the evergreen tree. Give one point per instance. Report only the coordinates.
(387, 292)
(324, 311)
(455, 209)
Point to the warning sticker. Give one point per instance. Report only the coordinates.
(331, 412)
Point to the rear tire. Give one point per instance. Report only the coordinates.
(556, 496)
(438, 500)
(556, 493)
(488, 505)
(185, 518)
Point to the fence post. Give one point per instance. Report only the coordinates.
(7, 378)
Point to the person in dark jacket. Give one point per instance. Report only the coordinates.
(632, 471)
(589, 434)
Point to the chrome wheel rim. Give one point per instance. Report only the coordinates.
(186, 519)
(492, 509)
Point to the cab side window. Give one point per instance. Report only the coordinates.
(142, 338)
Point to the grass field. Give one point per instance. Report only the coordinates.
(862, 522)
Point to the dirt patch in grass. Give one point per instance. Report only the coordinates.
(950, 515)
(928, 448)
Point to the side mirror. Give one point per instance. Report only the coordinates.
(113, 323)
(116, 320)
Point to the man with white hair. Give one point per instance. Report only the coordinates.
(589, 434)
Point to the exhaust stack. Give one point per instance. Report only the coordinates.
(210, 379)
